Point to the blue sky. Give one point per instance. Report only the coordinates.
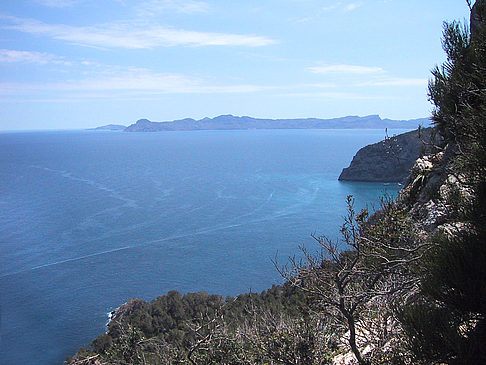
(68, 64)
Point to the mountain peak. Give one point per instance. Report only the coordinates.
(143, 121)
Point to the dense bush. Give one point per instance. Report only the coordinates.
(273, 327)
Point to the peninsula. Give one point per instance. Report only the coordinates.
(391, 159)
(109, 127)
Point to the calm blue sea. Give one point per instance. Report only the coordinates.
(90, 219)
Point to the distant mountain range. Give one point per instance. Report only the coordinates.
(231, 122)
(228, 122)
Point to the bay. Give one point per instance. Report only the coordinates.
(91, 219)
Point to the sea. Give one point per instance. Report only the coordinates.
(90, 219)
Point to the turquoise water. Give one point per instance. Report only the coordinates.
(91, 219)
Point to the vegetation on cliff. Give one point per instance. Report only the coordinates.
(448, 322)
(197, 328)
(404, 286)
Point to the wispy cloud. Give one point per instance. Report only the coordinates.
(343, 6)
(119, 83)
(58, 3)
(345, 69)
(139, 81)
(353, 6)
(100, 81)
(156, 7)
(130, 35)
(365, 76)
(39, 58)
(330, 7)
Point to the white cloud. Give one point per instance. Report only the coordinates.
(133, 35)
(331, 7)
(134, 79)
(58, 3)
(345, 7)
(14, 56)
(353, 6)
(345, 69)
(364, 76)
(119, 84)
(155, 7)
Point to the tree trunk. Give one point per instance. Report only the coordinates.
(352, 340)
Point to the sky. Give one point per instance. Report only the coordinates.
(70, 64)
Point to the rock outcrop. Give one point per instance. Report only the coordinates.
(389, 160)
(430, 191)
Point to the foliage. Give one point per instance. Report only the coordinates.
(273, 327)
(355, 282)
(458, 91)
(446, 323)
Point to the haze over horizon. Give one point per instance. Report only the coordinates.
(71, 64)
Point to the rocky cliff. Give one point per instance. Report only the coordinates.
(389, 160)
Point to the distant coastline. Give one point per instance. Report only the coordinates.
(231, 122)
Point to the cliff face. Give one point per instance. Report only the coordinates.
(389, 160)
(430, 192)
